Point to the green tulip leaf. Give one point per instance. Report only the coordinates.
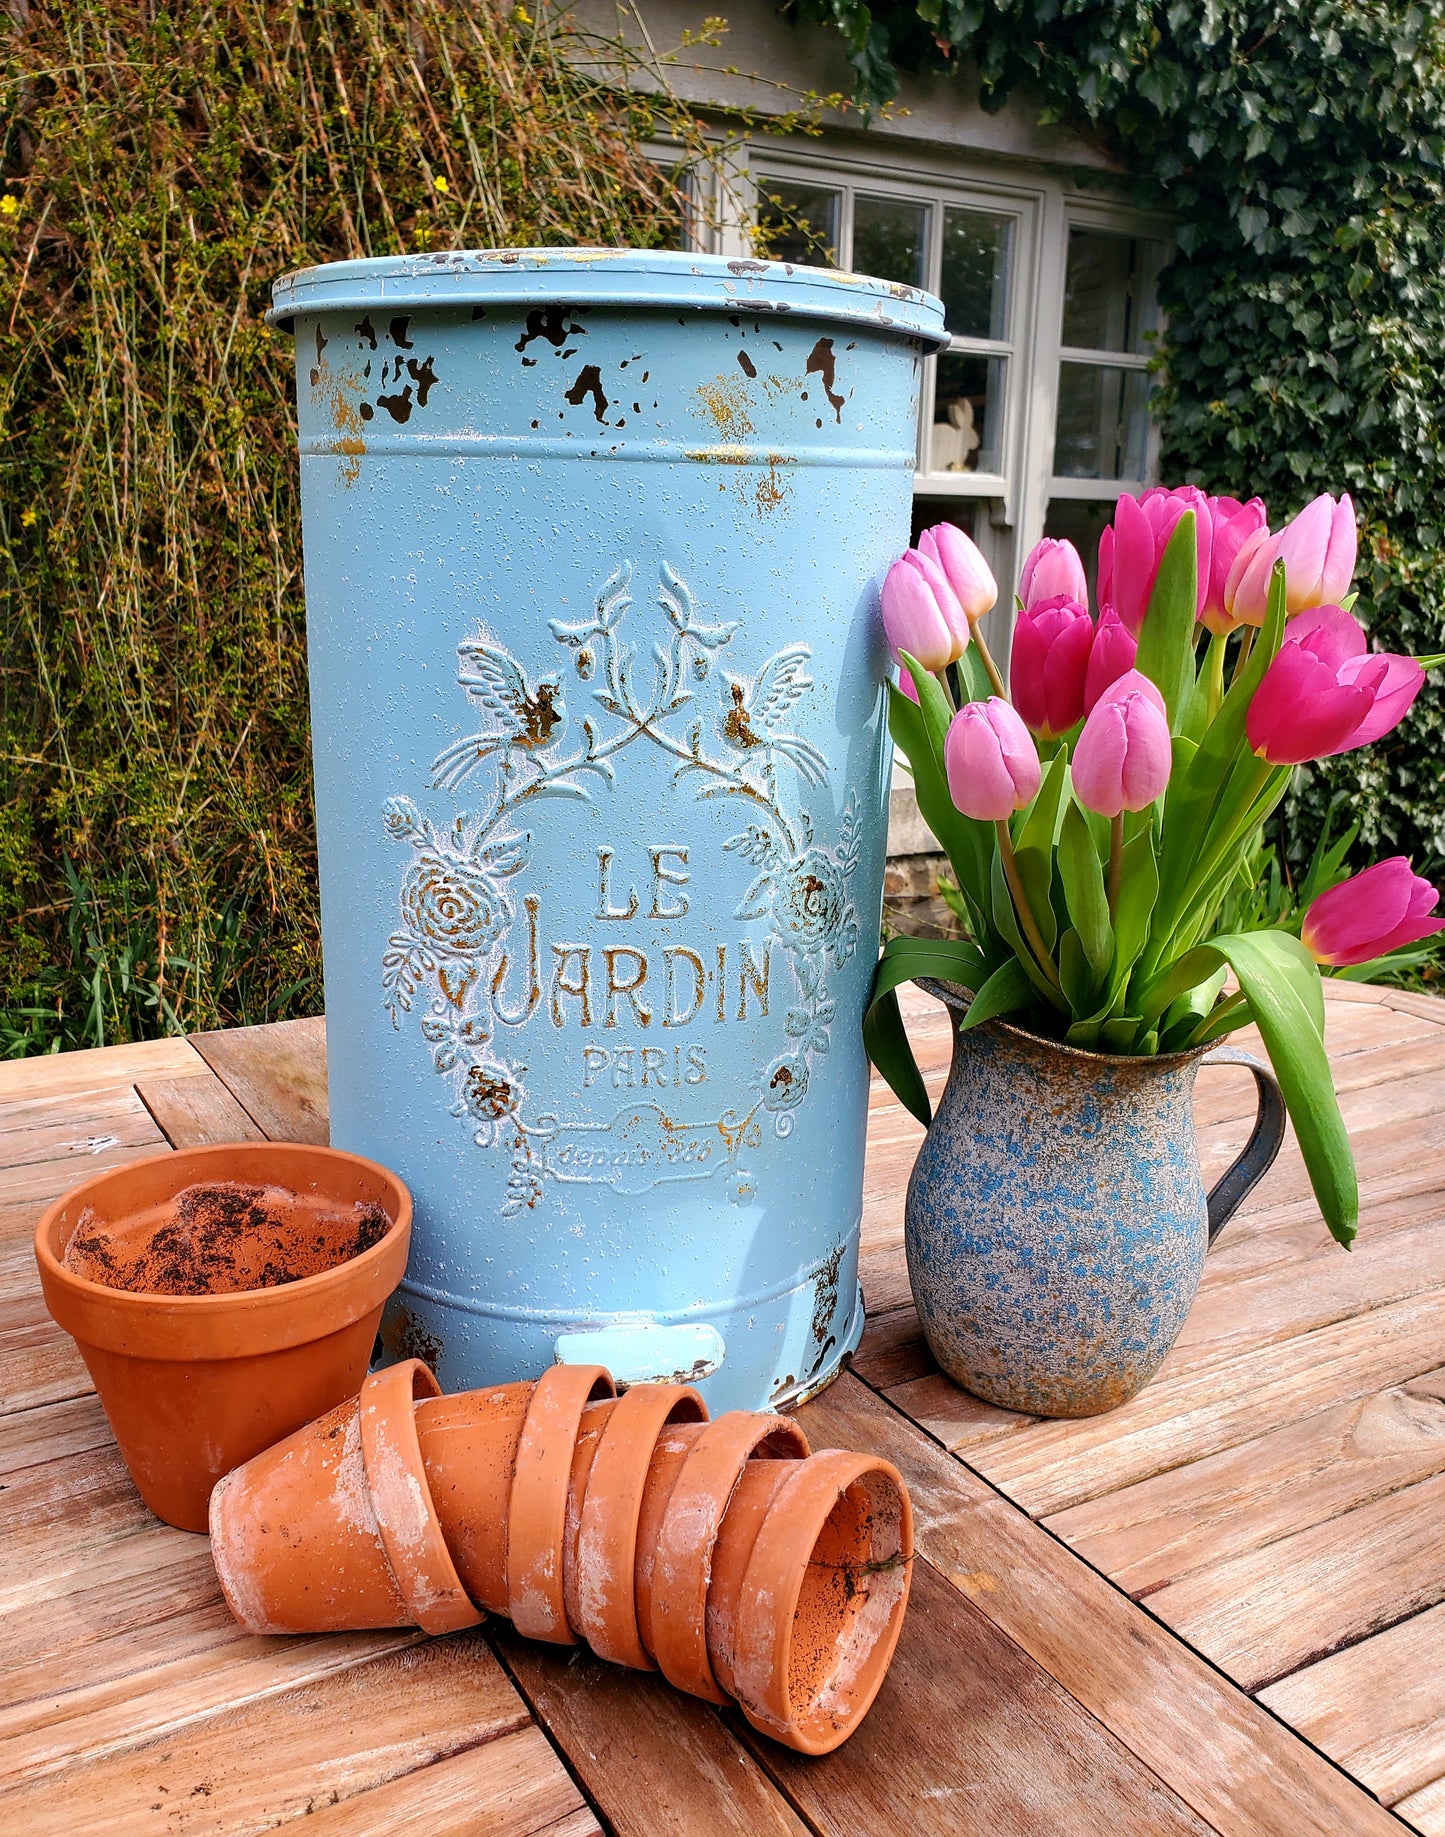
(1138, 891)
(1034, 849)
(1166, 644)
(967, 844)
(1076, 975)
(884, 1036)
(1007, 990)
(1083, 878)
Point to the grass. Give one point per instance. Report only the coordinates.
(160, 166)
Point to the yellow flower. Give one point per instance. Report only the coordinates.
(521, 15)
(10, 205)
(27, 517)
(441, 184)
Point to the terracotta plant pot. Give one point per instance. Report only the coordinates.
(607, 1534)
(469, 1451)
(194, 1383)
(541, 1482)
(334, 1527)
(676, 1547)
(821, 1604)
(724, 1552)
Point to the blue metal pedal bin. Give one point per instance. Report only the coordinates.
(593, 545)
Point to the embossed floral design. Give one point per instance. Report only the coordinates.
(457, 912)
(454, 907)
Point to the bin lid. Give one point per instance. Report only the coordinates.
(659, 278)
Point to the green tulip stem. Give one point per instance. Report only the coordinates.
(1246, 645)
(1214, 671)
(1028, 924)
(1116, 863)
(985, 657)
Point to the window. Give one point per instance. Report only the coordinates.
(1036, 416)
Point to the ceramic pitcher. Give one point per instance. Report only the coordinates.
(1057, 1223)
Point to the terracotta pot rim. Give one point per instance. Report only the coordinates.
(123, 1320)
(947, 993)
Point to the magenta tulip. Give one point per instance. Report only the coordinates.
(963, 566)
(1123, 756)
(1165, 508)
(1372, 913)
(1326, 692)
(992, 765)
(1318, 551)
(1052, 642)
(1053, 570)
(1234, 525)
(921, 613)
(1114, 650)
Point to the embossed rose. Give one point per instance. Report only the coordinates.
(455, 908)
(786, 1082)
(810, 903)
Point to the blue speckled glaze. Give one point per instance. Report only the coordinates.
(1056, 1221)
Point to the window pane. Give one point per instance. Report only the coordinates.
(1081, 521)
(799, 223)
(967, 414)
(975, 278)
(1103, 425)
(1109, 291)
(889, 237)
(967, 513)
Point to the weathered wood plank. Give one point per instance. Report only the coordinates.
(511, 1787)
(276, 1073)
(1173, 1420)
(38, 1363)
(1425, 1810)
(1267, 1612)
(100, 1068)
(55, 1431)
(281, 1755)
(61, 1129)
(1242, 1771)
(1001, 1748)
(1300, 1474)
(196, 1112)
(1377, 1708)
(650, 1758)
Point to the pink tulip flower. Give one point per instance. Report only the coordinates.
(992, 765)
(1053, 570)
(1112, 656)
(906, 684)
(1165, 508)
(1053, 640)
(1123, 756)
(1318, 550)
(1234, 525)
(1371, 913)
(1326, 692)
(921, 613)
(963, 566)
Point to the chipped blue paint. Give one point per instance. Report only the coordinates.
(1056, 1222)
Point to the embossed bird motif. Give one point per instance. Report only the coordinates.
(526, 717)
(752, 714)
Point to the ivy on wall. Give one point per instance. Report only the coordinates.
(1301, 146)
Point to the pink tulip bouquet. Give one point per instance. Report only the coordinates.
(1097, 808)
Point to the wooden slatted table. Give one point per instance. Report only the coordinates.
(1221, 1608)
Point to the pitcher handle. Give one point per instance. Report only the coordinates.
(1238, 1181)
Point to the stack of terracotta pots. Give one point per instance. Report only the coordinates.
(722, 1553)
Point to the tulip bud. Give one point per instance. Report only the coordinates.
(1370, 914)
(1318, 551)
(1053, 570)
(1326, 692)
(1112, 656)
(1234, 525)
(1123, 756)
(906, 684)
(921, 613)
(992, 766)
(963, 566)
(1165, 508)
(1052, 642)
(1104, 573)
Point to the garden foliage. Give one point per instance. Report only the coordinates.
(1301, 144)
(161, 165)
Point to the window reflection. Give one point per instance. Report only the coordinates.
(799, 223)
(1108, 290)
(967, 411)
(889, 239)
(975, 274)
(1102, 430)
